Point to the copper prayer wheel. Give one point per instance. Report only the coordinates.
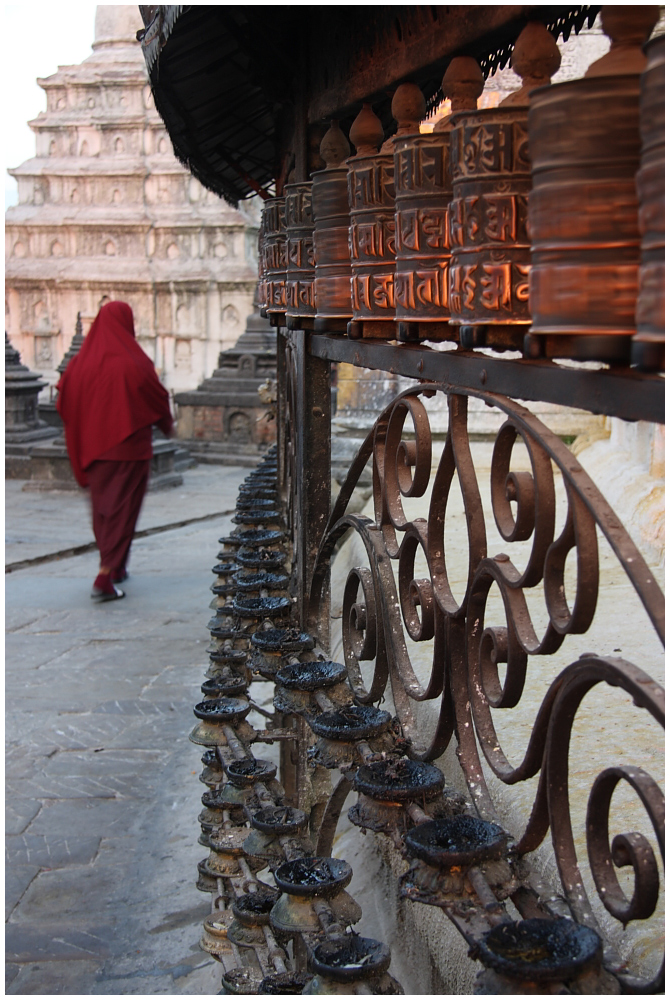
(331, 249)
(371, 232)
(648, 350)
(422, 196)
(330, 208)
(488, 277)
(274, 218)
(585, 147)
(299, 255)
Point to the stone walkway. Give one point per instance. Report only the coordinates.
(102, 791)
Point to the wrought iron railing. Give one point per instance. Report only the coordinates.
(513, 613)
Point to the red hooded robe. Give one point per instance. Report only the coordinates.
(109, 390)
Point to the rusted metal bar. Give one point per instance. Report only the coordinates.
(622, 393)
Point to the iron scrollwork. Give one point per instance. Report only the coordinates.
(389, 603)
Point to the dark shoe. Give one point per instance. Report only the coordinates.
(100, 596)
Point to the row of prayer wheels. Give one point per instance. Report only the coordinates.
(281, 918)
(537, 225)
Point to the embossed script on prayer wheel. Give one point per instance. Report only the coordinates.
(423, 189)
(585, 148)
(423, 193)
(649, 341)
(330, 208)
(371, 233)
(299, 253)
(372, 237)
(274, 217)
(488, 277)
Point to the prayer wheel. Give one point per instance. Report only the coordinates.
(489, 273)
(274, 222)
(330, 208)
(299, 256)
(584, 138)
(423, 194)
(648, 350)
(371, 231)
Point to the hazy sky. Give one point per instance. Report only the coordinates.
(37, 39)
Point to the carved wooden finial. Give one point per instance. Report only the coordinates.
(535, 58)
(334, 146)
(367, 132)
(462, 83)
(628, 28)
(408, 108)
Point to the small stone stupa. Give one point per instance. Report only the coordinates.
(224, 421)
(23, 426)
(48, 411)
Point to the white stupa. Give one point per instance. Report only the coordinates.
(106, 212)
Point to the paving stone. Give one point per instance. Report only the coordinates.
(112, 763)
(11, 972)
(17, 879)
(19, 617)
(26, 651)
(47, 690)
(101, 818)
(141, 657)
(56, 941)
(138, 707)
(19, 811)
(73, 896)
(203, 979)
(102, 751)
(50, 850)
(71, 976)
(22, 762)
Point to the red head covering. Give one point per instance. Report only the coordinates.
(109, 390)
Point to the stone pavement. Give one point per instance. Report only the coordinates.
(101, 780)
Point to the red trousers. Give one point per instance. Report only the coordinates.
(117, 492)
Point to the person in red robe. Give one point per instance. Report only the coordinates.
(109, 397)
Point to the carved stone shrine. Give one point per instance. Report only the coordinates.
(23, 426)
(224, 420)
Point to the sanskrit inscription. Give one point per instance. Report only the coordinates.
(481, 148)
(489, 290)
(300, 296)
(373, 240)
(422, 166)
(371, 293)
(300, 253)
(371, 185)
(422, 231)
(420, 292)
(498, 218)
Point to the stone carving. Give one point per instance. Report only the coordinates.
(224, 421)
(23, 426)
(121, 217)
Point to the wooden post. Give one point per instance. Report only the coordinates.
(312, 435)
(281, 415)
